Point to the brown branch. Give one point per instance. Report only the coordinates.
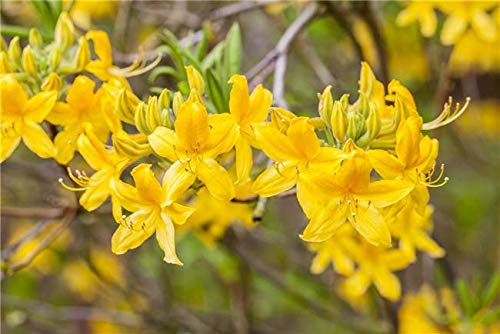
(237, 8)
(51, 213)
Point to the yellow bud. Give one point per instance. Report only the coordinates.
(178, 101)
(126, 105)
(3, 46)
(152, 113)
(35, 38)
(29, 63)
(55, 58)
(140, 119)
(164, 99)
(326, 104)
(64, 31)
(338, 121)
(131, 147)
(373, 126)
(355, 125)
(5, 65)
(195, 79)
(82, 54)
(15, 50)
(53, 82)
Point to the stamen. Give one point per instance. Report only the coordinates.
(446, 116)
(61, 181)
(427, 179)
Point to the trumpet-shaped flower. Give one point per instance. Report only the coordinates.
(193, 147)
(82, 106)
(294, 153)
(108, 165)
(21, 117)
(154, 210)
(421, 11)
(247, 111)
(349, 195)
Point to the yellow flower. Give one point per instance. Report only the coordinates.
(463, 14)
(20, 118)
(212, 217)
(293, 153)
(153, 210)
(82, 106)
(421, 11)
(108, 165)
(247, 111)
(85, 10)
(103, 67)
(350, 196)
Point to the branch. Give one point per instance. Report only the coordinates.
(237, 8)
(51, 213)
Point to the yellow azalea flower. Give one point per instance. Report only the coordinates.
(212, 217)
(293, 153)
(21, 117)
(247, 110)
(463, 14)
(108, 165)
(84, 11)
(193, 147)
(421, 11)
(374, 265)
(82, 106)
(103, 67)
(350, 196)
(153, 210)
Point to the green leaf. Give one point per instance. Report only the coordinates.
(232, 54)
(203, 45)
(213, 56)
(167, 70)
(465, 297)
(492, 290)
(215, 93)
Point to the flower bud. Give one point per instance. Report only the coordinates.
(53, 82)
(15, 50)
(82, 54)
(55, 58)
(3, 46)
(195, 79)
(126, 106)
(64, 31)
(140, 119)
(280, 118)
(338, 121)
(373, 126)
(132, 147)
(164, 107)
(326, 104)
(153, 114)
(29, 63)
(178, 101)
(35, 38)
(5, 65)
(355, 125)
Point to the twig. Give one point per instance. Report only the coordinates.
(237, 8)
(322, 71)
(30, 235)
(285, 41)
(51, 213)
(253, 198)
(67, 219)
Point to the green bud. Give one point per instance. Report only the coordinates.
(3, 46)
(82, 54)
(5, 65)
(355, 125)
(178, 101)
(35, 38)
(140, 119)
(55, 58)
(339, 121)
(326, 104)
(152, 113)
(64, 31)
(15, 50)
(126, 106)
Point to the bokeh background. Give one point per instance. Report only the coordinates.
(253, 280)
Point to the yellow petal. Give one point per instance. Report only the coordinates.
(65, 143)
(81, 93)
(275, 180)
(354, 174)
(303, 138)
(37, 140)
(243, 159)
(370, 224)
(216, 179)
(97, 191)
(386, 165)
(320, 262)
(358, 283)
(163, 142)
(484, 25)
(429, 149)
(239, 100)
(100, 69)
(386, 192)
(387, 284)
(93, 152)
(428, 23)
(223, 134)
(39, 106)
(395, 259)
(426, 244)
(125, 195)
(260, 102)
(276, 145)
(8, 145)
(62, 114)
(13, 99)
(408, 141)
(453, 28)
(325, 223)
(126, 238)
(148, 187)
(178, 213)
(102, 46)
(177, 179)
(191, 125)
(165, 235)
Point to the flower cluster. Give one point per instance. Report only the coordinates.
(361, 170)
